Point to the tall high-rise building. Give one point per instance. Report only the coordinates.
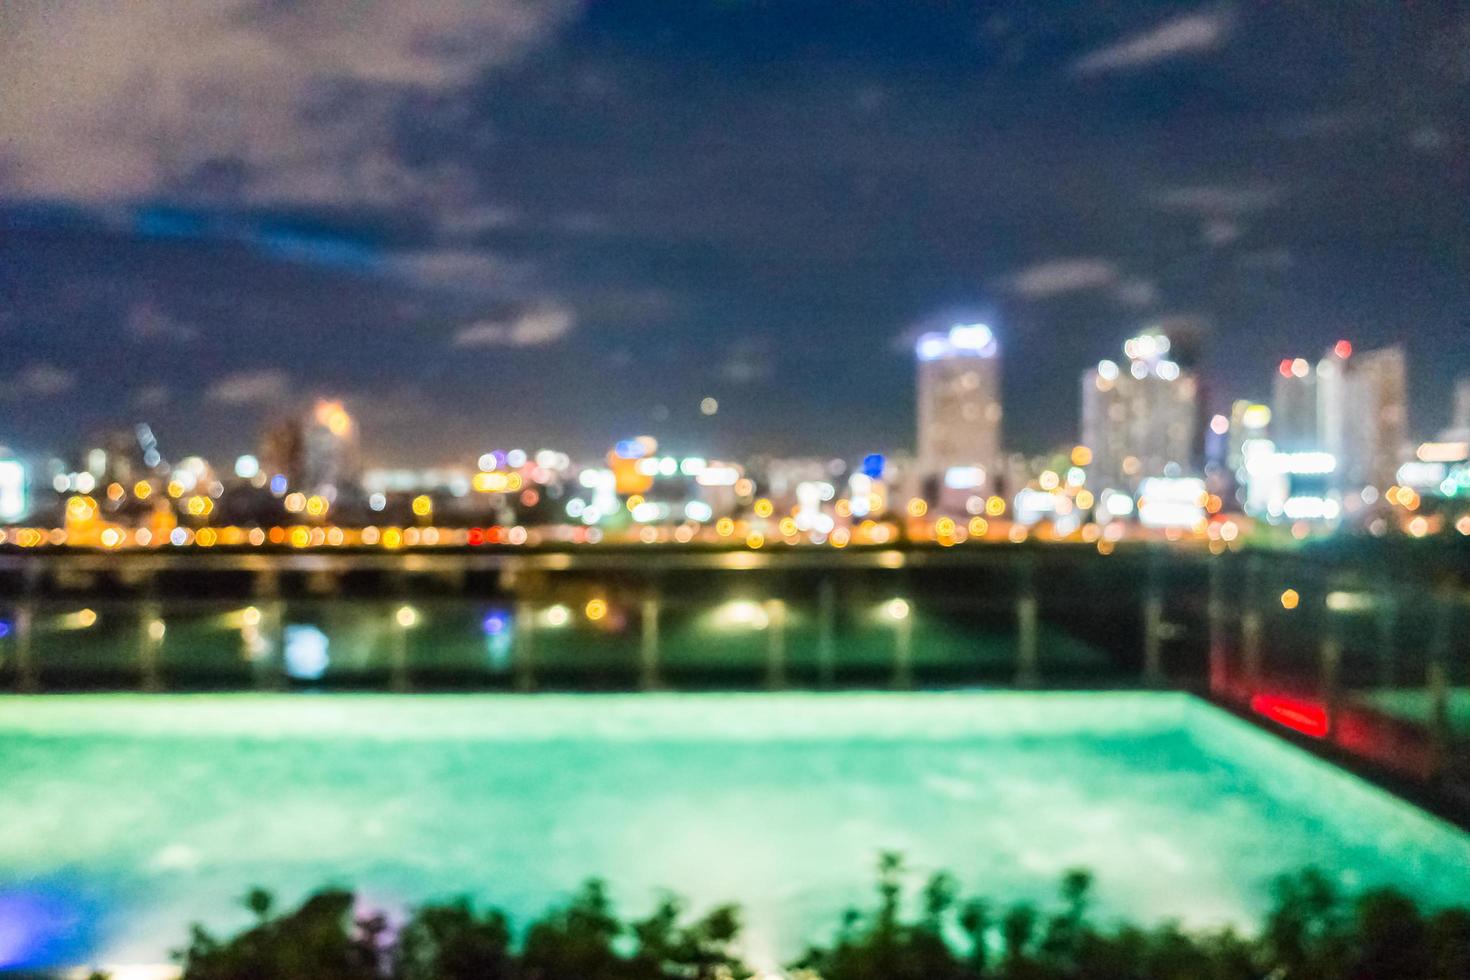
(1362, 414)
(1188, 338)
(1351, 407)
(1248, 421)
(959, 411)
(1294, 407)
(1140, 420)
(124, 456)
(1460, 421)
(315, 451)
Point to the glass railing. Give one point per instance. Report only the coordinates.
(1330, 652)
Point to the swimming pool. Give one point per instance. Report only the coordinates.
(125, 817)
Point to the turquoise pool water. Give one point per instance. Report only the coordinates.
(125, 817)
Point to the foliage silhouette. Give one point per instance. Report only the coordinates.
(1313, 932)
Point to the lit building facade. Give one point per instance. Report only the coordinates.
(1362, 414)
(1248, 421)
(959, 410)
(315, 452)
(1140, 419)
(1294, 426)
(1352, 407)
(1460, 420)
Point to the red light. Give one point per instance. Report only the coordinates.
(1343, 349)
(1300, 716)
(1285, 368)
(477, 537)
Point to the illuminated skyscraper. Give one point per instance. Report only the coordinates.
(1139, 420)
(1294, 407)
(14, 491)
(1362, 414)
(316, 452)
(1350, 406)
(959, 411)
(1248, 421)
(1460, 423)
(124, 456)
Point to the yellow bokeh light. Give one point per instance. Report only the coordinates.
(764, 508)
(333, 416)
(596, 609)
(918, 507)
(1081, 456)
(490, 482)
(1290, 599)
(995, 506)
(423, 506)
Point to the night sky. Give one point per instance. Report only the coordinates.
(489, 223)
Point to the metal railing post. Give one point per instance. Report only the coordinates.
(827, 633)
(525, 648)
(648, 641)
(775, 611)
(150, 645)
(903, 652)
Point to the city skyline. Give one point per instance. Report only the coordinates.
(957, 416)
(587, 219)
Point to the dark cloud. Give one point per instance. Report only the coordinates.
(39, 382)
(1057, 276)
(533, 328)
(148, 323)
(1175, 38)
(265, 387)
